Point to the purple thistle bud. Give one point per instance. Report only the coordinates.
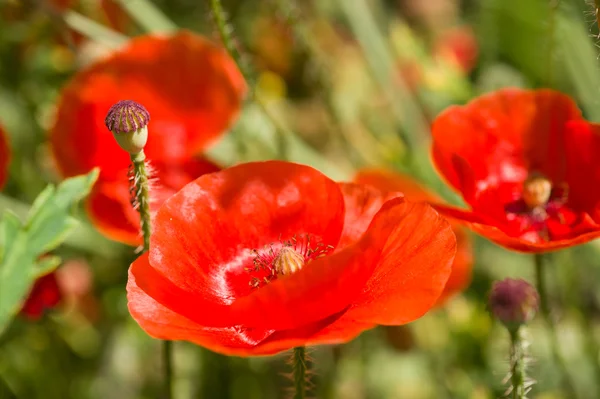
(128, 121)
(513, 302)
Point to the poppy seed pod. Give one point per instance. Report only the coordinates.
(128, 121)
(513, 302)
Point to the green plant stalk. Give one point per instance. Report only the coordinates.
(142, 196)
(141, 188)
(148, 16)
(225, 33)
(517, 365)
(567, 383)
(406, 109)
(551, 40)
(299, 364)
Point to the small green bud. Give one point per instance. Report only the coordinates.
(128, 122)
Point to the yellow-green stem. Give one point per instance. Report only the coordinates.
(141, 188)
(225, 33)
(567, 383)
(517, 365)
(551, 33)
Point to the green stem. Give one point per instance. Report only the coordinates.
(406, 109)
(225, 32)
(299, 363)
(167, 354)
(517, 365)
(551, 42)
(142, 195)
(141, 188)
(567, 383)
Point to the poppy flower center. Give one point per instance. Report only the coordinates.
(284, 258)
(541, 209)
(536, 191)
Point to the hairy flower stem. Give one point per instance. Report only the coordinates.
(596, 6)
(299, 364)
(142, 195)
(141, 189)
(226, 35)
(517, 365)
(567, 383)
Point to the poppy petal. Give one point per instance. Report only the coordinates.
(45, 294)
(463, 261)
(162, 323)
(204, 236)
(4, 157)
(414, 266)
(362, 203)
(587, 231)
(337, 329)
(191, 88)
(109, 204)
(517, 130)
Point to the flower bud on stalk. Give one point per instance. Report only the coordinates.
(128, 122)
(515, 303)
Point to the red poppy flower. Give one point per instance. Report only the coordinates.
(45, 294)
(395, 182)
(458, 45)
(4, 157)
(261, 257)
(524, 161)
(193, 92)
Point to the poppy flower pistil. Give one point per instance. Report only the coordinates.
(284, 258)
(288, 261)
(536, 191)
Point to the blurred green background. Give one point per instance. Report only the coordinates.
(353, 83)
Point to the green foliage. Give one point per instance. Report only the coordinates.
(23, 244)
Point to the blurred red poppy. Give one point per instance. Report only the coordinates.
(257, 258)
(524, 161)
(45, 294)
(388, 181)
(459, 46)
(193, 92)
(4, 158)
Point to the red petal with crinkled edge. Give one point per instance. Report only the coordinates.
(161, 322)
(588, 231)
(109, 204)
(582, 172)
(414, 267)
(500, 137)
(4, 157)
(191, 88)
(414, 192)
(157, 303)
(204, 237)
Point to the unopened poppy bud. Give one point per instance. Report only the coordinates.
(536, 191)
(128, 121)
(513, 302)
(288, 261)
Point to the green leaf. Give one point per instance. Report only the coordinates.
(148, 16)
(22, 245)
